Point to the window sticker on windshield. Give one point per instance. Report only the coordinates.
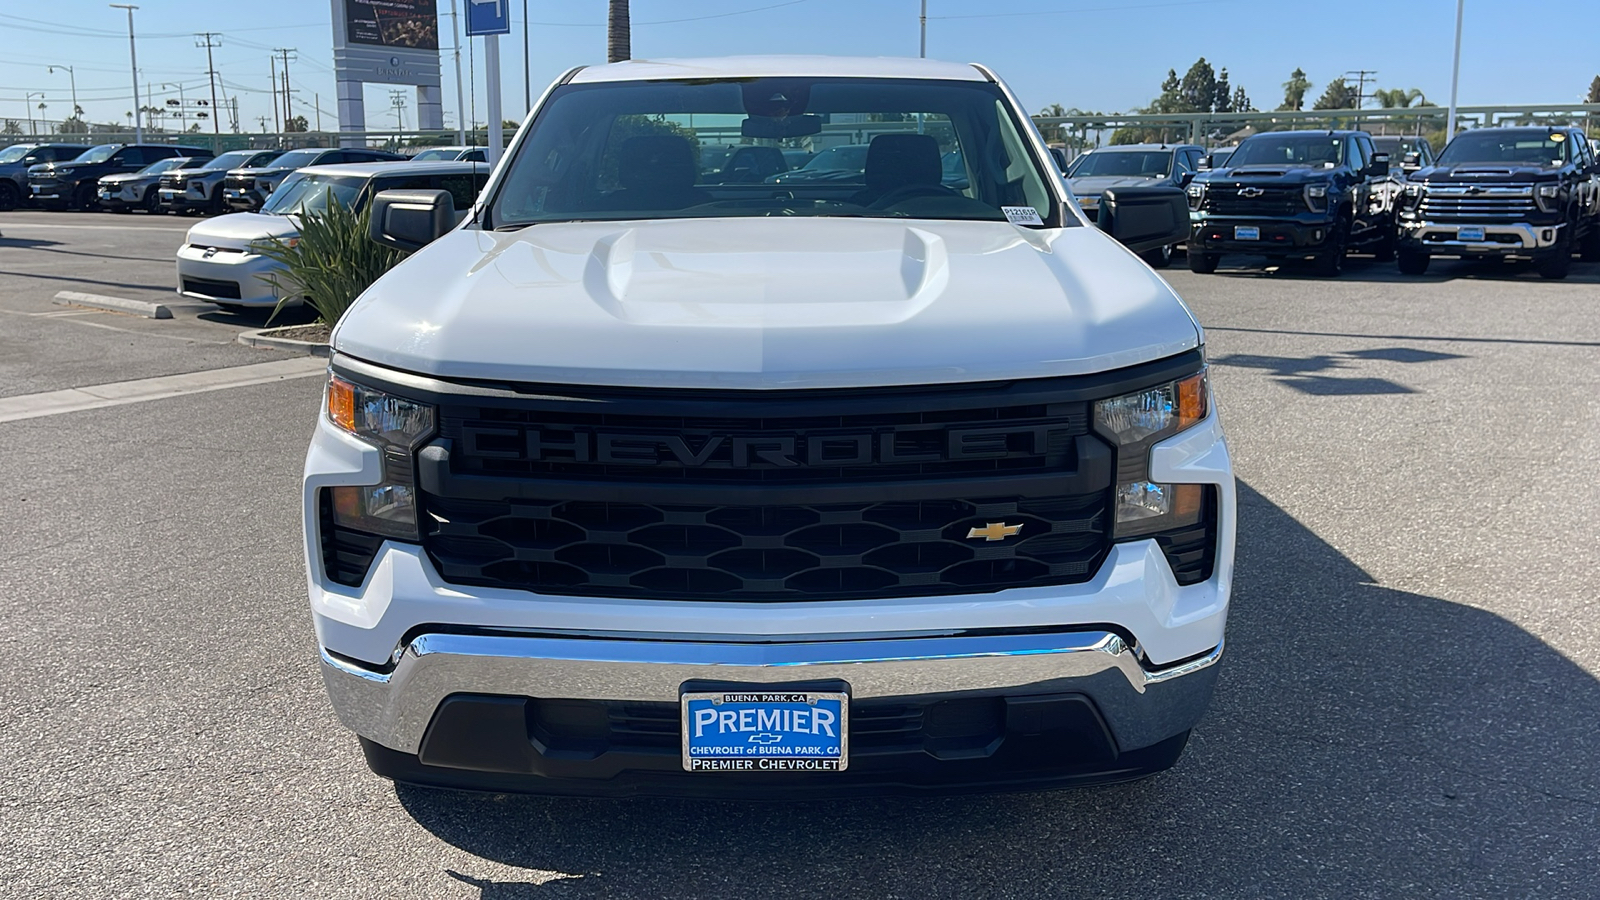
(1022, 215)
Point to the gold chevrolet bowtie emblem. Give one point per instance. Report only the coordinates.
(994, 531)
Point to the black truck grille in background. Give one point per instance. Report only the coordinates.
(788, 552)
(1478, 205)
(1271, 201)
(737, 496)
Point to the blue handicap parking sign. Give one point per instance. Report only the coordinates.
(488, 17)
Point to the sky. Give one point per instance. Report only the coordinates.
(1098, 55)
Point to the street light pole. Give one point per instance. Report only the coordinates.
(27, 100)
(1455, 76)
(71, 76)
(133, 59)
(923, 52)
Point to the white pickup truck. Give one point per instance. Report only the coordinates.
(660, 474)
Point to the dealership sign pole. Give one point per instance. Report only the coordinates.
(490, 19)
(386, 42)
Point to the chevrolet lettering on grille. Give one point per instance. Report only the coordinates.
(783, 451)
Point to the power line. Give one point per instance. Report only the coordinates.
(211, 74)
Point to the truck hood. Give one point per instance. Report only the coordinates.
(236, 230)
(767, 303)
(1285, 175)
(1485, 173)
(125, 177)
(1094, 185)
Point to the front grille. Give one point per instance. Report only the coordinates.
(208, 287)
(1478, 204)
(172, 181)
(776, 552)
(762, 496)
(1273, 201)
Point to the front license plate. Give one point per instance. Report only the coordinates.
(106, 194)
(1246, 233)
(779, 731)
(1470, 233)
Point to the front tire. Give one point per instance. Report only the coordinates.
(1330, 262)
(1159, 258)
(152, 202)
(1413, 262)
(10, 197)
(1203, 263)
(83, 199)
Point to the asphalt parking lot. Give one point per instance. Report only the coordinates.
(1407, 708)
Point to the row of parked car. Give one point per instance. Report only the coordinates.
(1529, 192)
(170, 178)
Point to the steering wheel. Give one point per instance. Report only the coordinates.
(907, 192)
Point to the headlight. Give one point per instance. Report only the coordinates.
(1317, 197)
(65, 171)
(396, 426)
(1197, 194)
(262, 245)
(1136, 422)
(1548, 196)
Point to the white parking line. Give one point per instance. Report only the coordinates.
(51, 403)
(14, 225)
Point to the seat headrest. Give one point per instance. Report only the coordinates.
(656, 161)
(896, 160)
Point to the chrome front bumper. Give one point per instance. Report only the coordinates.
(1522, 236)
(394, 707)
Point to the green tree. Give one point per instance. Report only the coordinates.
(1294, 91)
(1399, 98)
(11, 127)
(1224, 96)
(1198, 90)
(1241, 101)
(296, 124)
(1594, 91)
(73, 125)
(1337, 96)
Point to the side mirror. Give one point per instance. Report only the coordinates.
(1060, 156)
(1184, 178)
(1145, 218)
(411, 220)
(1205, 163)
(1412, 160)
(1379, 165)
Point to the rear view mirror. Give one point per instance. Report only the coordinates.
(410, 220)
(1145, 218)
(778, 129)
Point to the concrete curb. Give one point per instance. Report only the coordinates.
(114, 304)
(264, 337)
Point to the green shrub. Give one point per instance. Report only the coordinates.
(331, 263)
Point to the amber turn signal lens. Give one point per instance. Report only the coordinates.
(342, 403)
(1191, 400)
(1186, 499)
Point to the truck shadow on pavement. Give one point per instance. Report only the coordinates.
(1317, 375)
(1367, 269)
(1364, 742)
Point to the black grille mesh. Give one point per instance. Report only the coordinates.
(856, 550)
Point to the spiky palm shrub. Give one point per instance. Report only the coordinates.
(331, 262)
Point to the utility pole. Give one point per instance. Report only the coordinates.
(527, 74)
(263, 121)
(461, 105)
(1455, 77)
(74, 79)
(316, 103)
(211, 72)
(397, 99)
(923, 52)
(133, 60)
(1361, 76)
(288, 101)
(273, 60)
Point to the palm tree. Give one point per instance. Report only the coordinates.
(619, 35)
(1399, 98)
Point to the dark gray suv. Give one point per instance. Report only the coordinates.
(14, 163)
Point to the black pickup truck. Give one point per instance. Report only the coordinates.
(1509, 193)
(1293, 195)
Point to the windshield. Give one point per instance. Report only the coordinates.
(12, 154)
(1319, 150)
(294, 159)
(171, 162)
(310, 191)
(864, 147)
(437, 153)
(1528, 148)
(1125, 163)
(97, 154)
(233, 159)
